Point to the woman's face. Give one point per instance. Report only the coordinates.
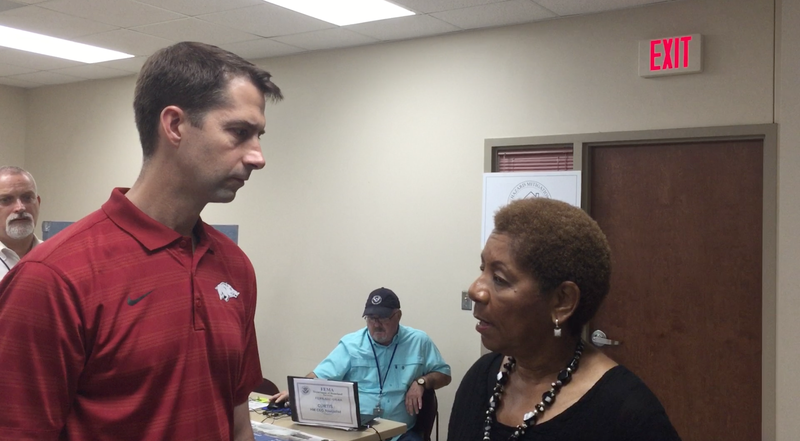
(512, 314)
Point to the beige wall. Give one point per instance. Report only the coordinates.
(374, 161)
(788, 301)
(83, 135)
(12, 126)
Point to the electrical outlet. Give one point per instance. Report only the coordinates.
(466, 302)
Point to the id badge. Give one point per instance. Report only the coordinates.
(377, 410)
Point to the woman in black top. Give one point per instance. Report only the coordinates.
(544, 273)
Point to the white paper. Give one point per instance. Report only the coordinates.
(325, 402)
(270, 432)
(255, 404)
(499, 189)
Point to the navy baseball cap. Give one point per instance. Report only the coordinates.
(381, 303)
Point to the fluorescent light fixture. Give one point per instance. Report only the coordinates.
(345, 12)
(56, 47)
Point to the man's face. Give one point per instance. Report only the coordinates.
(383, 330)
(219, 156)
(19, 206)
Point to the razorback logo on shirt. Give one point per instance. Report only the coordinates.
(226, 291)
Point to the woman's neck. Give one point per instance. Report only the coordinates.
(543, 364)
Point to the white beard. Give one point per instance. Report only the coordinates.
(19, 230)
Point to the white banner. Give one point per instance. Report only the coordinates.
(501, 188)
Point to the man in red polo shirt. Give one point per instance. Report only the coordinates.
(136, 322)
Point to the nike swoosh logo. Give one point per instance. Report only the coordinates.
(132, 302)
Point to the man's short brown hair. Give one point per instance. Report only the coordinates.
(193, 76)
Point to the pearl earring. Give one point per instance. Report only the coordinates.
(557, 330)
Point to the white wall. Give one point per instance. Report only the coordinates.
(374, 159)
(12, 126)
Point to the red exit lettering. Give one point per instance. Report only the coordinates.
(675, 53)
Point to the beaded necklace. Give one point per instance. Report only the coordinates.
(548, 398)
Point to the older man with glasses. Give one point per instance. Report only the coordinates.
(19, 211)
(393, 364)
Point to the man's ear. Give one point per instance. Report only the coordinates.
(564, 301)
(170, 124)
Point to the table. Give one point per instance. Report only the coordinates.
(386, 428)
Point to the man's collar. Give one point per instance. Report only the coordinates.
(397, 336)
(4, 250)
(36, 241)
(146, 230)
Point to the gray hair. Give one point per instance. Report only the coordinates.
(14, 170)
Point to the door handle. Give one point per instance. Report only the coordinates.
(599, 339)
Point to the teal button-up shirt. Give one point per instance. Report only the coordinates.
(354, 360)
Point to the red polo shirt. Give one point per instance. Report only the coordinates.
(115, 330)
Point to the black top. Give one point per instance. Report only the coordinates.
(619, 407)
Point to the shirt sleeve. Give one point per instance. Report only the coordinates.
(433, 359)
(250, 374)
(336, 365)
(42, 351)
(642, 416)
(467, 415)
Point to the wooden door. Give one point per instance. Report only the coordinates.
(684, 221)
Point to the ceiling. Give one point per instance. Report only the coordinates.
(251, 28)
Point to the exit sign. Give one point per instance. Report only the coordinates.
(671, 56)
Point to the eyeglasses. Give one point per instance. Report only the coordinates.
(382, 321)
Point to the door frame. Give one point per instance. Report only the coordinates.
(583, 142)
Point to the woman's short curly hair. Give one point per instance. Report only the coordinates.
(556, 242)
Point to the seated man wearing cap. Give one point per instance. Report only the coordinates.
(393, 364)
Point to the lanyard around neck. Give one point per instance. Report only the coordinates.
(381, 381)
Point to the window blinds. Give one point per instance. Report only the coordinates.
(535, 159)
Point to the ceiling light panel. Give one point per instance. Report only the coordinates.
(56, 47)
(344, 12)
